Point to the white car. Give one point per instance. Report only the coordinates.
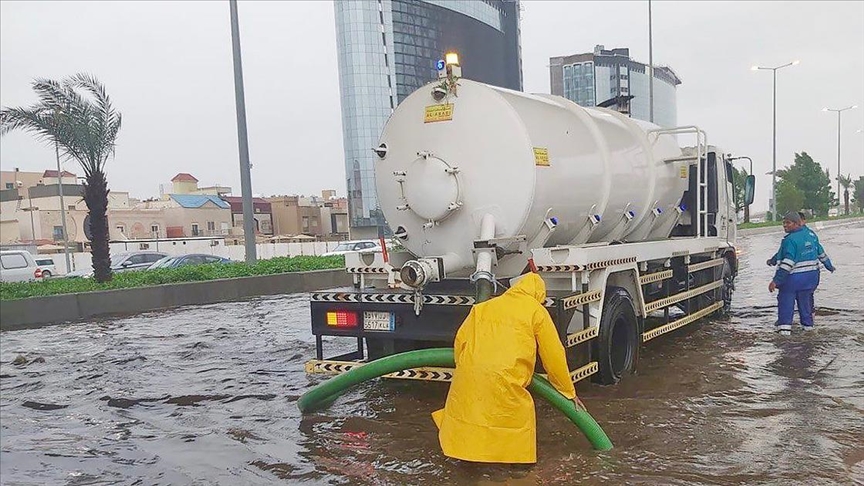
(359, 245)
(46, 264)
(18, 266)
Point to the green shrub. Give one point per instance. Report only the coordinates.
(146, 278)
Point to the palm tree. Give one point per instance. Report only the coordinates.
(846, 182)
(85, 129)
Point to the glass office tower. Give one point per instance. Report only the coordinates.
(592, 78)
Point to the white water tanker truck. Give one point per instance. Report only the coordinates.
(633, 234)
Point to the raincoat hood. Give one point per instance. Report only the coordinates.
(531, 285)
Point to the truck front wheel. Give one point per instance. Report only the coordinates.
(617, 345)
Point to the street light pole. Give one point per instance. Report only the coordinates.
(243, 142)
(839, 111)
(772, 204)
(651, 67)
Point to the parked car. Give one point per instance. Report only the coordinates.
(184, 260)
(124, 262)
(18, 266)
(359, 245)
(46, 264)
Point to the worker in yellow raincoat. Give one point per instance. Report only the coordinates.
(489, 414)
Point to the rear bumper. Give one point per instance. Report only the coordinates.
(437, 323)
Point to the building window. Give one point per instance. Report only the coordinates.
(305, 222)
(154, 229)
(10, 185)
(122, 229)
(58, 233)
(195, 229)
(211, 226)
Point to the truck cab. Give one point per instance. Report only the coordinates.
(721, 217)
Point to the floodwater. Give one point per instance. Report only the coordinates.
(207, 395)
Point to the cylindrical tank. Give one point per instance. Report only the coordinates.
(523, 159)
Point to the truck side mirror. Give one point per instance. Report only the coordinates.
(749, 189)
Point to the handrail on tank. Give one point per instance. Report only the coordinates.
(701, 151)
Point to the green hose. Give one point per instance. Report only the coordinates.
(483, 290)
(325, 393)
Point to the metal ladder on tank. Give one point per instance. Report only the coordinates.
(700, 159)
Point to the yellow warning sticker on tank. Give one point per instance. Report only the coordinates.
(541, 156)
(437, 113)
(682, 172)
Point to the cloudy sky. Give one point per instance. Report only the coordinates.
(167, 66)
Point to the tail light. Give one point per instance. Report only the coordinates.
(37, 273)
(342, 319)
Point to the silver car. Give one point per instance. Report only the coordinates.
(124, 262)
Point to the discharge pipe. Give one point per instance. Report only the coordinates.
(484, 281)
(417, 273)
(326, 393)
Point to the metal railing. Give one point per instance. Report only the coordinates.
(701, 175)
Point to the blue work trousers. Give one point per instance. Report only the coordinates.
(786, 298)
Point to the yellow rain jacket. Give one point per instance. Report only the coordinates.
(489, 415)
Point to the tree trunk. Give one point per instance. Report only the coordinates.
(846, 201)
(747, 213)
(96, 197)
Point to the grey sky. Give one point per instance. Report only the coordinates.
(167, 66)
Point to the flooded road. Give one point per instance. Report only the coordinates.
(207, 395)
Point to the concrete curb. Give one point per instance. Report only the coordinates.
(818, 225)
(38, 312)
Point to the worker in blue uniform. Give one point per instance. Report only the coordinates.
(797, 274)
(772, 262)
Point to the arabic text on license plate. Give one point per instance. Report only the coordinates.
(377, 321)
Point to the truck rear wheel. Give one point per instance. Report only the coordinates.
(728, 287)
(617, 345)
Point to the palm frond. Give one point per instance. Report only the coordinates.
(76, 114)
(31, 120)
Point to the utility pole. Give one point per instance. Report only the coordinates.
(62, 210)
(650, 67)
(30, 210)
(242, 139)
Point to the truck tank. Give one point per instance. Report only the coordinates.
(482, 157)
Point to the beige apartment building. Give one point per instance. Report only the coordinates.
(181, 215)
(33, 213)
(321, 217)
(30, 211)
